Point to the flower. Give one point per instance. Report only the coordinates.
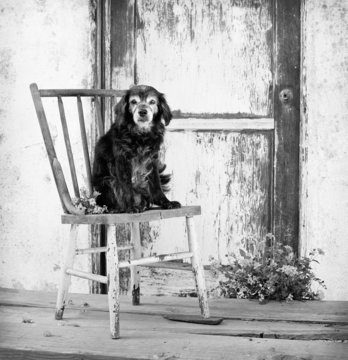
(288, 248)
(88, 203)
(289, 298)
(275, 273)
(92, 202)
(288, 270)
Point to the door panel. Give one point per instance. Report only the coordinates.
(207, 56)
(212, 59)
(223, 63)
(228, 174)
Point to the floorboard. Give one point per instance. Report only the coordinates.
(28, 329)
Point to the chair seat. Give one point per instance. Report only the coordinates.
(149, 215)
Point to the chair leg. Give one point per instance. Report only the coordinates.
(64, 284)
(113, 282)
(197, 267)
(135, 270)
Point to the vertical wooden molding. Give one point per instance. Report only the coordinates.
(303, 236)
(287, 62)
(97, 39)
(106, 59)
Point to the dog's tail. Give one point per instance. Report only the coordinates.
(165, 178)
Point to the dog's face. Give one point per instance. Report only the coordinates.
(145, 106)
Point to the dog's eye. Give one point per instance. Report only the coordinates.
(152, 102)
(133, 102)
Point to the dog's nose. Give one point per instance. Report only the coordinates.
(142, 112)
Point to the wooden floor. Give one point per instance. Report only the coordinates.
(274, 331)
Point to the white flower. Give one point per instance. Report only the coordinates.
(92, 202)
(288, 248)
(289, 298)
(288, 270)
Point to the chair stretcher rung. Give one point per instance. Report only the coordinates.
(155, 259)
(90, 250)
(137, 262)
(100, 249)
(86, 275)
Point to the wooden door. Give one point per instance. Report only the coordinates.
(230, 71)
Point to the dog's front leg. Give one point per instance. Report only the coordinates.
(157, 194)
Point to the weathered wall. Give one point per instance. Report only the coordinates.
(324, 138)
(48, 43)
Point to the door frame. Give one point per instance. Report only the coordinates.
(284, 202)
(286, 102)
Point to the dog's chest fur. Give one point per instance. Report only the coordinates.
(141, 163)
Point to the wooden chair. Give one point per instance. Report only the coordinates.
(74, 217)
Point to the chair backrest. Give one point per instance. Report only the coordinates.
(97, 95)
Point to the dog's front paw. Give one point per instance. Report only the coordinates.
(171, 205)
(133, 210)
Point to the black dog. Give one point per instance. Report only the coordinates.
(127, 171)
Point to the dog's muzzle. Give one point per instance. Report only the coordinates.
(143, 114)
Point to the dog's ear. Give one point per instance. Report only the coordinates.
(165, 110)
(120, 110)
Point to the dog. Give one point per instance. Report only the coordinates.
(127, 171)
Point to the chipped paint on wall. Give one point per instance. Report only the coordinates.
(211, 57)
(324, 159)
(48, 43)
(228, 174)
(207, 56)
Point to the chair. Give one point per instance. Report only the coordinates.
(75, 218)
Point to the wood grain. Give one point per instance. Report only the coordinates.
(65, 278)
(197, 267)
(123, 52)
(95, 258)
(147, 335)
(287, 121)
(113, 282)
(80, 92)
(68, 147)
(316, 312)
(135, 253)
(217, 124)
(149, 215)
(217, 60)
(84, 140)
(87, 276)
(210, 56)
(229, 174)
(100, 124)
(46, 134)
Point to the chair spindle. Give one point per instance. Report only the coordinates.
(68, 146)
(99, 116)
(85, 145)
(46, 134)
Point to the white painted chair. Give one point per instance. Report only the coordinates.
(75, 218)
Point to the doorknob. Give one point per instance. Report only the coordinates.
(286, 96)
